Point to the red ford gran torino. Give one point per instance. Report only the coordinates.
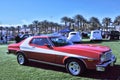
(58, 51)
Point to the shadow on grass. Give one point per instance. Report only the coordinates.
(112, 73)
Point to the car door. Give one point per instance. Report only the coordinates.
(41, 51)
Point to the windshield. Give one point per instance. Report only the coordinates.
(60, 41)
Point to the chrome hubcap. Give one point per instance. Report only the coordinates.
(21, 59)
(74, 68)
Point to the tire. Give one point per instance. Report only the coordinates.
(75, 67)
(109, 38)
(21, 59)
(118, 38)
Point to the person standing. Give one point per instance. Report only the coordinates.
(1, 38)
(22, 36)
(17, 38)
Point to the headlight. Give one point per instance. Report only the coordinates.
(106, 56)
(102, 58)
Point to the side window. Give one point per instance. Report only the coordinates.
(39, 41)
(73, 33)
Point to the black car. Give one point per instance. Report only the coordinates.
(112, 35)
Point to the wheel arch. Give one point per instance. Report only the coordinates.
(81, 60)
(22, 53)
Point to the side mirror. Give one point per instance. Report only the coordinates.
(49, 46)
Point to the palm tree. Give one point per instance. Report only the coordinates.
(46, 25)
(40, 26)
(106, 22)
(18, 28)
(25, 27)
(56, 27)
(12, 28)
(1, 29)
(117, 21)
(79, 20)
(7, 30)
(65, 19)
(51, 24)
(31, 28)
(95, 23)
(71, 23)
(85, 25)
(35, 23)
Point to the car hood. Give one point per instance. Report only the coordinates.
(86, 50)
(88, 47)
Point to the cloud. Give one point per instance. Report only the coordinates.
(22, 22)
(25, 22)
(9, 25)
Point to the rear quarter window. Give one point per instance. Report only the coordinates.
(73, 34)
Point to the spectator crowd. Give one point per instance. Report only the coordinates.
(18, 37)
(21, 36)
(3, 39)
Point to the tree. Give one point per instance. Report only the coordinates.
(71, 23)
(116, 21)
(51, 24)
(31, 28)
(25, 27)
(18, 28)
(56, 26)
(1, 29)
(12, 28)
(94, 23)
(79, 20)
(44, 26)
(7, 30)
(35, 23)
(65, 19)
(106, 22)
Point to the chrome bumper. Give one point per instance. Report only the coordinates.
(101, 67)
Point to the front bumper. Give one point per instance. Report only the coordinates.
(102, 67)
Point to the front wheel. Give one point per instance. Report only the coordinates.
(21, 59)
(109, 38)
(75, 67)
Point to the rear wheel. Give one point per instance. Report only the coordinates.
(21, 59)
(75, 67)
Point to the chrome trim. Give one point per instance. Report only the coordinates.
(104, 65)
(47, 63)
(107, 56)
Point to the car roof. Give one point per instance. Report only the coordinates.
(44, 36)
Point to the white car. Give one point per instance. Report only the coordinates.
(96, 35)
(75, 36)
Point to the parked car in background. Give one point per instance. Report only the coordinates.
(95, 35)
(75, 36)
(112, 35)
(58, 51)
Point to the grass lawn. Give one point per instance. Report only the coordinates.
(11, 70)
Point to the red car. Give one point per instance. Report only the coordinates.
(58, 51)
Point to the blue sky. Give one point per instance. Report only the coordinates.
(13, 12)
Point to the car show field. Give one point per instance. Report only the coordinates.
(11, 70)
